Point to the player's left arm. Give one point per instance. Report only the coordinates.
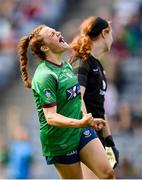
(98, 125)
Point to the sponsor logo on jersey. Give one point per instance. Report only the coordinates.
(47, 93)
(73, 91)
(102, 92)
(96, 70)
(65, 76)
(87, 133)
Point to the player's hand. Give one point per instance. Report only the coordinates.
(112, 155)
(98, 123)
(112, 151)
(89, 121)
(86, 120)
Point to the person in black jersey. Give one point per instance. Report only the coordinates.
(95, 38)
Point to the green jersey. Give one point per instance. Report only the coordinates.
(55, 85)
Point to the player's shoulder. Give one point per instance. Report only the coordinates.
(43, 73)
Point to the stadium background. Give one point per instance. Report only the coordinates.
(18, 117)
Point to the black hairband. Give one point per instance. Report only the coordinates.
(97, 28)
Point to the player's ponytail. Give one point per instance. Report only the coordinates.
(81, 46)
(34, 40)
(90, 30)
(22, 52)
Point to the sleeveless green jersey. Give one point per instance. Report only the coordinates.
(55, 85)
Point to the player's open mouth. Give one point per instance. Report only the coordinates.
(61, 39)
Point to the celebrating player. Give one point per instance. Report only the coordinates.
(66, 136)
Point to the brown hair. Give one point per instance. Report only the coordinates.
(34, 41)
(81, 45)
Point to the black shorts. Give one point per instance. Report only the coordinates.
(72, 157)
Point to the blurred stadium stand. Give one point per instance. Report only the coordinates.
(123, 68)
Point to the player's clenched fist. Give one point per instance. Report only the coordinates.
(89, 121)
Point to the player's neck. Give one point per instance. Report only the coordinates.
(97, 53)
(54, 58)
(97, 49)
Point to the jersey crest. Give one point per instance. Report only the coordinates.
(47, 93)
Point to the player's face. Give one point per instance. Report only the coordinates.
(108, 40)
(54, 40)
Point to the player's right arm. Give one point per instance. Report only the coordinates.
(55, 119)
